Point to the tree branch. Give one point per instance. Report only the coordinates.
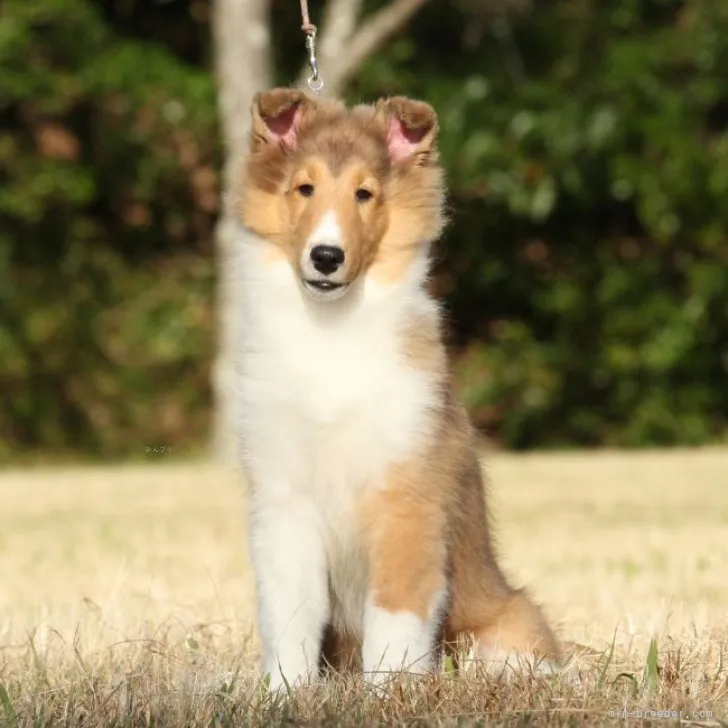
(337, 29)
(368, 39)
(342, 50)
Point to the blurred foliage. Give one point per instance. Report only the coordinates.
(586, 265)
(108, 195)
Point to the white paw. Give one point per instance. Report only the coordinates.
(283, 679)
(395, 642)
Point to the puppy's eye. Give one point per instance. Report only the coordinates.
(363, 194)
(305, 190)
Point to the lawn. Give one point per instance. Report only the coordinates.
(126, 598)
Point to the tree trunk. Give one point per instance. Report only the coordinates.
(243, 67)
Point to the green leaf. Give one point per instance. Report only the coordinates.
(651, 674)
(10, 714)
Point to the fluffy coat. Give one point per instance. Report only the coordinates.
(370, 535)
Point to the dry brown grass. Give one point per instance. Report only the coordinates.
(125, 598)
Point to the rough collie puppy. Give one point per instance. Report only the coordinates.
(369, 531)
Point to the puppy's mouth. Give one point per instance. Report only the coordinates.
(324, 285)
(323, 288)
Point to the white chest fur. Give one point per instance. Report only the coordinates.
(328, 398)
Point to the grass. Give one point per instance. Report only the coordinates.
(125, 599)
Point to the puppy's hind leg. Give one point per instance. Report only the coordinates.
(512, 634)
(508, 627)
(520, 630)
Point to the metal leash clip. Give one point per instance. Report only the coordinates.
(315, 82)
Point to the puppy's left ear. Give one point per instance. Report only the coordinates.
(413, 128)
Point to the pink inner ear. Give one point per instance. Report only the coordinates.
(403, 141)
(284, 127)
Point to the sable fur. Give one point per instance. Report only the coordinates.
(383, 500)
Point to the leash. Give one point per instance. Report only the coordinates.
(315, 82)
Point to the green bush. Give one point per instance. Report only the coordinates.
(108, 193)
(587, 263)
(585, 267)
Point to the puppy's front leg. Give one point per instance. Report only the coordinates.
(292, 587)
(408, 591)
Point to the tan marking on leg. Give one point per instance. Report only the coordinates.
(405, 527)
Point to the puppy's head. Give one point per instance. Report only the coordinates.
(343, 193)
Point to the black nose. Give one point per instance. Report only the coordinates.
(327, 258)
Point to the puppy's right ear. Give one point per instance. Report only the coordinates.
(276, 117)
(413, 128)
